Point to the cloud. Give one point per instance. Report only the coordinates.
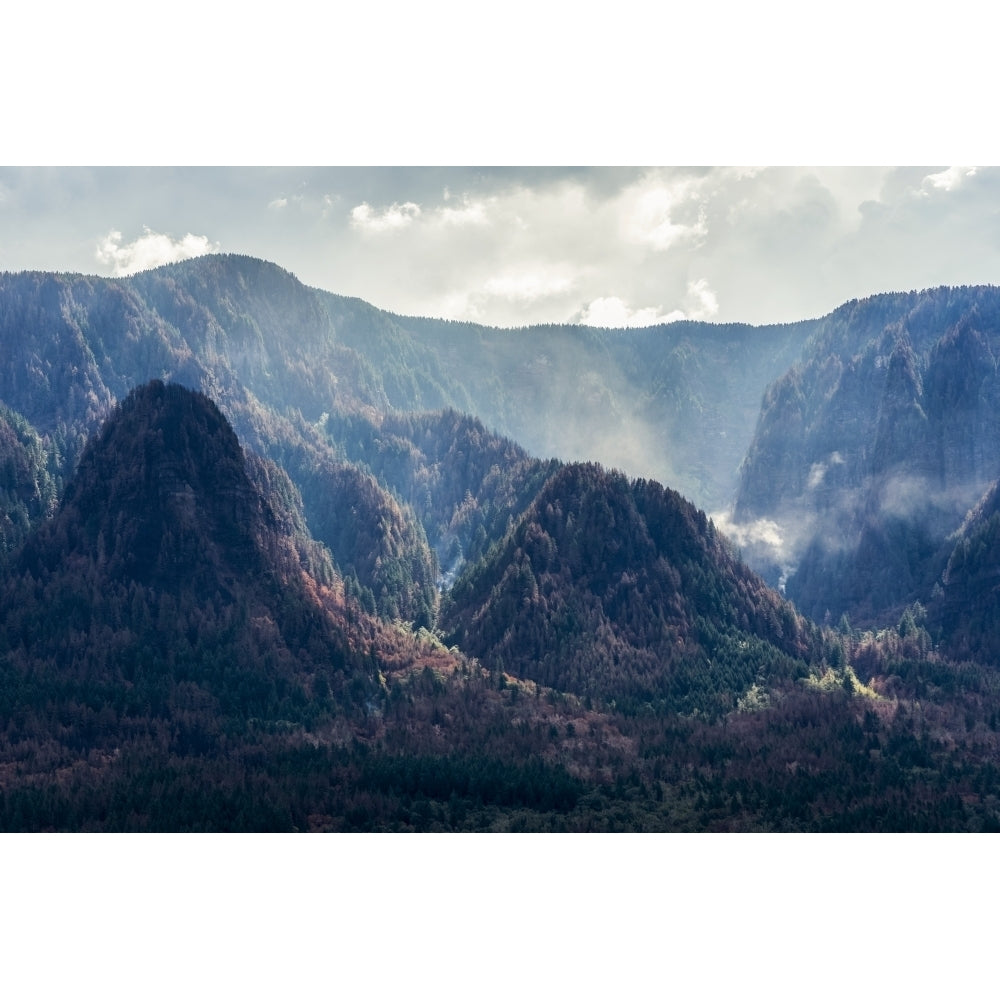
(775, 244)
(767, 543)
(700, 301)
(818, 470)
(612, 313)
(471, 213)
(149, 250)
(529, 284)
(629, 247)
(948, 180)
(396, 216)
(664, 215)
(304, 203)
(762, 531)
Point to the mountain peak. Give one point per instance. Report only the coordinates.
(161, 493)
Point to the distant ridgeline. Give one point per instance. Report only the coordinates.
(677, 398)
(271, 558)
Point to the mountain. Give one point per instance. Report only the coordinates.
(965, 605)
(165, 566)
(675, 402)
(465, 483)
(871, 451)
(29, 486)
(275, 559)
(623, 591)
(360, 407)
(176, 652)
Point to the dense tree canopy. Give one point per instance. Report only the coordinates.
(327, 587)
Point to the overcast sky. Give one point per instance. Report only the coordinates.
(515, 246)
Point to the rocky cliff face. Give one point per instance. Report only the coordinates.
(869, 453)
(965, 604)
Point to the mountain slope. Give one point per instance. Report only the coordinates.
(177, 653)
(265, 347)
(674, 402)
(871, 451)
(465, 482)
(965, 606)
(164, 565)
(623, 591)
(28, 486)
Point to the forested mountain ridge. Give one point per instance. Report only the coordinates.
(622, 591)
(163, 531)
(163, 605)
(29, 485)
(310, 379)
(174, 646)
(675, 402)
(965, 604)
(177, 654)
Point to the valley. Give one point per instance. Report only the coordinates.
(275, 559)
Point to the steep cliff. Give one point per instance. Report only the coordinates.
(871, 451)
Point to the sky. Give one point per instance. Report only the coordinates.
(198, 100)
(514, 246)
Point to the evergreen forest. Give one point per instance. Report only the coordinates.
(273, 559)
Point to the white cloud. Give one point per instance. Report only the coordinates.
(700, 302)
(612, 313)
(752, 245)
(472, 213)
(950, 179)
(662, 215)
(457, 305)
(396, 216)
(529, 284)
(278, 203)
(763, 531)
(818, 470)
(149, 250)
